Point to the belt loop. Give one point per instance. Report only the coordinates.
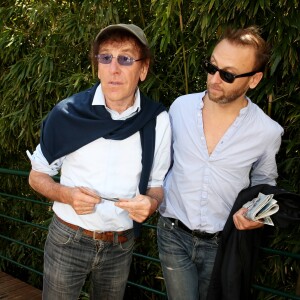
(78, 234)
(115, 238)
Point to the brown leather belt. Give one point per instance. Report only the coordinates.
(107, 236)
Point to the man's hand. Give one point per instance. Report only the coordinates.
(83, 200)
(141, 207)
(242, 223)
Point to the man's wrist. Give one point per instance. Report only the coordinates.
(156, 204)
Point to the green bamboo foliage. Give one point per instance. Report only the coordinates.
(44, 58)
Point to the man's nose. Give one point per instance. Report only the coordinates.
(216, 78)
(114, 65)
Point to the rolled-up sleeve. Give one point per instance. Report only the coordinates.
(40, 164)
(162, 154)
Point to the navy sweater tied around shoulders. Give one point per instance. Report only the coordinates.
(75, 122)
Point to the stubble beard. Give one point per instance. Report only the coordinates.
(228, 97)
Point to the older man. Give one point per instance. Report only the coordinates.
(111, 144)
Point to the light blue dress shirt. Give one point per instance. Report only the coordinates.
(201, 189)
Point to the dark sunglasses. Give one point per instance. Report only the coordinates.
(225, 76)
(123, 60)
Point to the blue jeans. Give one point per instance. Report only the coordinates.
(71, 256)
(187, 261)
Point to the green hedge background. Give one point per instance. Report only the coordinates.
(44, 58)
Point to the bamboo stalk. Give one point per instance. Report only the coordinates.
(141, 13)
(183, 51)
(270, 101)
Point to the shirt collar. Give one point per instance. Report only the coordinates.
(244, 110)
(99, 99)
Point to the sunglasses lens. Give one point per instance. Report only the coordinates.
(227, 77)
(104, 58)
(210, 68)
(125, 60)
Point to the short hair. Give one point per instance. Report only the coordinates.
(251, 37)
(119, 35)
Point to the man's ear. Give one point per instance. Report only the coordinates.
(144, 71)
(255, 79)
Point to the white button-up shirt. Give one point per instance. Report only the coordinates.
(111, 167)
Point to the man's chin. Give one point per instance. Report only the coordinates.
(215, 97)
(220, 100)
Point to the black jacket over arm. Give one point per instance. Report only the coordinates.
(238, 250)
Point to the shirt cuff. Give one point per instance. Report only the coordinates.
(40, 164)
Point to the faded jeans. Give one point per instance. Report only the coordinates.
(187, 261)
(71, 256)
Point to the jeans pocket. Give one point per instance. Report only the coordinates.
(212, 243)
(58, 235)
(216, 240)
(164, 223)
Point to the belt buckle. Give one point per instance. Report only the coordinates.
(96, 232)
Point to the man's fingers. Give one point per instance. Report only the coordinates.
(93, 197)
(88, 192)
(242, 223)
(125, 204)
(84, 200)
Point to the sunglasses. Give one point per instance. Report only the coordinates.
(225, 76)
(122, 60)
